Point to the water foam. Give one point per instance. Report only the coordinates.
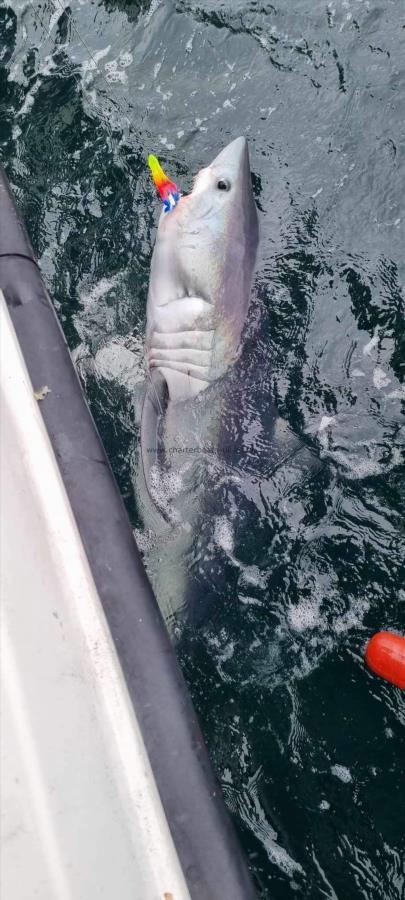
(91, 295)
(341, 772)
(223, 535)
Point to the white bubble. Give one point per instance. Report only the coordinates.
(305, 614)
(342, 772)
(380, 378)
(326, 421)
(368, 348)
(113, 74)
(125, 59)
(223, 534)
(100, 289)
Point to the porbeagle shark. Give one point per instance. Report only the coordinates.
(200, 283)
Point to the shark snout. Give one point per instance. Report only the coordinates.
(234, 156)
(231, 164)
(233, 161)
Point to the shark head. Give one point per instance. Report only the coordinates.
(199, 289)
(222, 209)
(202, 269)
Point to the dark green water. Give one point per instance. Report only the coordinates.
(300, 565)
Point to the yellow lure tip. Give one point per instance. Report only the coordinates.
(167, 189)
(157, 172)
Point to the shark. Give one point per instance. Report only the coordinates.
(201, 276)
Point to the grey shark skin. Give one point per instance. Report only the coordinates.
(199, 290)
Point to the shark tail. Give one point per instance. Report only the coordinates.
(153, 409)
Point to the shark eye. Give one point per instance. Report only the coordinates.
(223, 184)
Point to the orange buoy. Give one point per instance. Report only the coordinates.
(385, 655)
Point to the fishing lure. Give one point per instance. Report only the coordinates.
(167, 189)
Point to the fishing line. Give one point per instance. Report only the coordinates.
(58, 5)
(136, 138)
(125, 113)
(81, 39)
(110, 100)
(84, 43)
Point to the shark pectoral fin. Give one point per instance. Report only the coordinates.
(153, 409)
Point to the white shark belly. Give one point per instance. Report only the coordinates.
(182, 345)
